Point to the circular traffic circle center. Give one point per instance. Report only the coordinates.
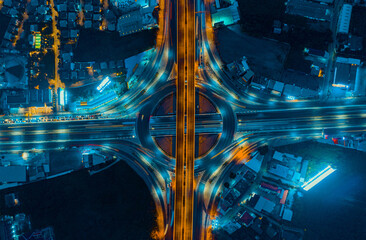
(208, 125)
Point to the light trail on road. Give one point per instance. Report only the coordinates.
(185, 145)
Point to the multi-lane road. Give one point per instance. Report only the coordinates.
(244, 121)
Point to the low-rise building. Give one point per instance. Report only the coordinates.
(345, 72)
(263, 204)
(255, 163)
(276, 87)
(136, 21)
(270, 187)
(13, 72)
(287, 214)
(13, 174)
(286, 157)
(231, 227)
(246, 219)
(281, 171)
(309, 9)
(226, 16)
(284, 194)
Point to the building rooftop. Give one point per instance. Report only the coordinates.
(13, 174)
(130, 23)
(246, 219)
(300, 79)
(344, 19)
(269, 186)
(308, 9)
(285, 157)
(280, 170)
(18, 99)
(242, 186)
(255, 163)
(265, 205)
(13, 72)
(227, 16)
(344, 75)
(287, 214)
(284, 197)
(276, 85)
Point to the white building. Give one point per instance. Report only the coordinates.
(344, 19)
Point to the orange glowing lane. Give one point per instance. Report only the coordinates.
(185, 146)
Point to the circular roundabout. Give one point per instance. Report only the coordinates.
(215, 126)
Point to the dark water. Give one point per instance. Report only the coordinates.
(114, 204)
(336, 207)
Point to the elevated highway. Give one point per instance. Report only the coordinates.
(244, 121)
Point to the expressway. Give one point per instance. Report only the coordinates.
(185, 121)
(179, 210)
(295, 122)
(245, 121)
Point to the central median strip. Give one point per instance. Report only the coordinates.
(185, 147)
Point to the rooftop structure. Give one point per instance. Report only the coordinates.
(224, 208)
(20, 99)
(264, 204)
(285, 157)
(255, 163)
(345, 72)
(281, 171)
(300, 79)
(13, 72)
(130, 23)
(135, 21)
(231, 196)
(242, 186)
(246, 219)
(226, 16)
(276, 86)
(344, 19)
(287, 214)
(308, 9)
(284, 196)
(293, 92)
(13, 174)
(40, 97)
(304, 168)
(232, 227)
(269, 187)
(316, 52)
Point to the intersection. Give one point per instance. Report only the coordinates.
(244, 122)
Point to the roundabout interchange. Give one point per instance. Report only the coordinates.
(241, 121)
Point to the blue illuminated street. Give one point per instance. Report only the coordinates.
(210, 137)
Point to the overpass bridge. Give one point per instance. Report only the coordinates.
(244, 121)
